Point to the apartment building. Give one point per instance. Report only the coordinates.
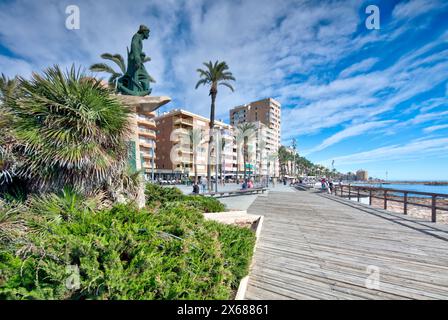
(266, 115)
(142, 133)
(175, 150)
(362, 175)
(146, 129)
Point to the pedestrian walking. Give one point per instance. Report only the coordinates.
(204, 184)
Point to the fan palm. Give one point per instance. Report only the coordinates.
(245, 131)
(114, 75)
(69, 131)
(8, 89)
(216, 74)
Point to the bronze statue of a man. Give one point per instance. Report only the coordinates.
(136, 80)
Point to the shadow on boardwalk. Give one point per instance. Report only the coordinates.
(316, 247)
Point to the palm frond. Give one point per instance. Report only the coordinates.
(70, 130)
(228, 85)
(117, 58)
(101, 67)
(201, 82)
(215, 74)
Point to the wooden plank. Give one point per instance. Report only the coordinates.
(312, 247)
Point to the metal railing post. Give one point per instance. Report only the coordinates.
(385, 199)
(433, 209)
(405, 209)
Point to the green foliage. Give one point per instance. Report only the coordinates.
(155, 193)
(114, 75)
(169, 196)
(67, 130)
(215, 74)
(121, 253)
(205, 204)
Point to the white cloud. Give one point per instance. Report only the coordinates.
(435, 128)
(283, 49)
(411, 9)
(362, 66)
(416, 149)
(12, 67)
(349, 132)
(364, 97)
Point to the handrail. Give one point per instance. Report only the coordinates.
(383, 195)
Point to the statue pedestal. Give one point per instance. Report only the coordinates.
(146, 104)
(143, 133)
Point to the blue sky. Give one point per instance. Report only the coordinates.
(371, 99)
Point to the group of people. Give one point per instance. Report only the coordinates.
(203, 183)
(327, 185)
(247, 184)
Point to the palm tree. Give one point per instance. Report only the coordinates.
(245, 131)
(8, 87)
(283, 157)
(272, 157)
(8, 162)
(114, 75)
(261, 146)
(196, 140)
(222, 159)
(214, 75)
(69, 132)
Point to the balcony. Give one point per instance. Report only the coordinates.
(146, 142)
(186, 159)
(148, 165)
(186, 151)
(146, 132)
(145, 120)
(184, 121)
(148, 156)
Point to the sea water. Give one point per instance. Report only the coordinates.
(410, 187)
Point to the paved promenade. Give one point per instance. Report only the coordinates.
(313, 247)
(239, 202)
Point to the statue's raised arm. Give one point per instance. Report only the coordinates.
(136, 80)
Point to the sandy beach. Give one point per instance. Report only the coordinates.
(415, 211)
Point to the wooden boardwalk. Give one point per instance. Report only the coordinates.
(320, 247)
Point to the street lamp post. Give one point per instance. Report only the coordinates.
(216, 161)
(152, 163)
(294, 146)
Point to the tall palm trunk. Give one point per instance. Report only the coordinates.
(195, 167)
(213, 93)
(245, 158)
(237, 165)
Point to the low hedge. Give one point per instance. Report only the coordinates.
(158, 195)
(120, 253)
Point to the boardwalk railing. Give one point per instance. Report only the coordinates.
(222, 194)
(393, 195)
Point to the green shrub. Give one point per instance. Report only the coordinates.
(158, 194)
(166, 196)
(122, 253)
(205, 204)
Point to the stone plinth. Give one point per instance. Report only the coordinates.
(140, 107)
(145, 104)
